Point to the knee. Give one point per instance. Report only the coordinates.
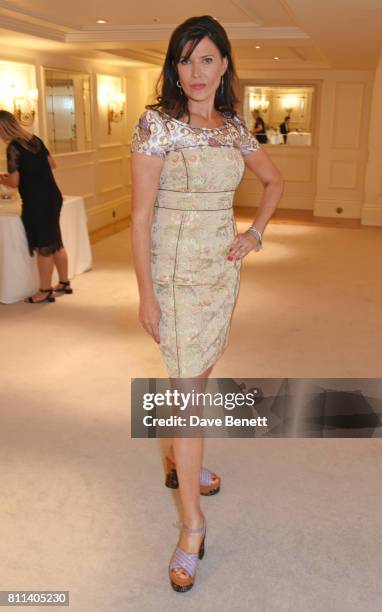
(44, 251)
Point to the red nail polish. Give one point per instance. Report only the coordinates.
(230, 258)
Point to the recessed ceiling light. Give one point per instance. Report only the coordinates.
(276, 57)
(101, 21)
(258, 47)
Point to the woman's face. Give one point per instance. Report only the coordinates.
(200, 75)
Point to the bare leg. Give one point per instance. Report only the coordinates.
(170, 451)
(45, 265)
(188, 454)
(61, 262)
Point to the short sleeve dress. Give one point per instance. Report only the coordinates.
(193, 227)
(40, 195)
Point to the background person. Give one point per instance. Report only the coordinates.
(284, 128)
(30, 170)
(259, 130)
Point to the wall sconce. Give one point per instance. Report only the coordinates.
(289, 104)
(24, 107)
(259, 104)
(115, 109)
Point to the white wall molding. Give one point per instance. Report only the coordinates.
(327, 207)
(108, 160)
(111, 211)
(110, 145)
(112, 188)
(371, 215)
(290, 201)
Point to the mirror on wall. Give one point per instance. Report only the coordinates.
(68, 111)
(279, 114)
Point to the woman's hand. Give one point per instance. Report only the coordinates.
(149, 316)
(241, 246)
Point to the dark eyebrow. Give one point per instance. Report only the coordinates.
(203, 56)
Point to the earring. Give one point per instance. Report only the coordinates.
(180, 87)
(222, 85)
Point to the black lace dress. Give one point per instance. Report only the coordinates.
(41, 198)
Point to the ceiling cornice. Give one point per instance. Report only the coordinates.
(33, 29)
(28, 22)
(26, 12)
(236, 31)
(140, 56)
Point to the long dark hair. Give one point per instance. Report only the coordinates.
(170, 98)
(12, 130)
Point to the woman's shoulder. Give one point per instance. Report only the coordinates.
(13, 144)
(151, 135)
(33, 144)
(236, 120)
(152, 116)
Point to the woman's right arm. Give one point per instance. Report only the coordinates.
(145, 174)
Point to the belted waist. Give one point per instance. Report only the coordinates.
(194, 200)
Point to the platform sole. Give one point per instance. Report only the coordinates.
(173, 483)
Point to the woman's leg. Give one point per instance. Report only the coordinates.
(170, 451)
(45, 265)
(188, 453)
(61, 262)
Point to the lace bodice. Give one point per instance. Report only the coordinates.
(157, 133)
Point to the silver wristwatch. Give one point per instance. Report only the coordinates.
(253, 230)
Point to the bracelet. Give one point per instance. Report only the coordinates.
(253, 230)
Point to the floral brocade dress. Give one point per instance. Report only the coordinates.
(193, 227)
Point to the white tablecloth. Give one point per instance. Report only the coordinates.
(300, 138)
(18, 270)
(275, 138)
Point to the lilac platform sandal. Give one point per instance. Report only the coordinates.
(209, 482)
(188, 562)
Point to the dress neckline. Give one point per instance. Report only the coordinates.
(191, 127)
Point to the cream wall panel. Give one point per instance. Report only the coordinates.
(296, 199)
(343, 148)
(76, 179)
(104, 214)
(372, 204)
(110, 151)
(348, 115)
(111, 174)
(296, 167)
(343, 174)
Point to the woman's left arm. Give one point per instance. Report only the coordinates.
(263, 167)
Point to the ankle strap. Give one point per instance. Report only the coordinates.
(191, 529)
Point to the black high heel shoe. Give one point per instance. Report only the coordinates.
(65, 287)
(49, 297)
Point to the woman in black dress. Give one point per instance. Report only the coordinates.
(30, 169)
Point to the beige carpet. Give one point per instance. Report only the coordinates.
(297, 524)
